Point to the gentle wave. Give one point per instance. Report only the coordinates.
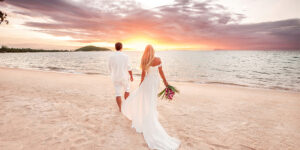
(226, 83)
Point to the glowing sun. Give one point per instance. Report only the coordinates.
(139, 43)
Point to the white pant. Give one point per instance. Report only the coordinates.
(120, 86)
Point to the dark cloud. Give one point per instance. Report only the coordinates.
(184, 21)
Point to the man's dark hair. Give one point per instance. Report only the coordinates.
(118, 46)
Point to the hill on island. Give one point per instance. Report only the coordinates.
(92, 48)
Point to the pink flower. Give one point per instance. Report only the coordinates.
(169, 93)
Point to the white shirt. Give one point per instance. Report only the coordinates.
(118, 66)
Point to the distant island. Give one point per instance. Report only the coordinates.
(92, 48)
(5, 49)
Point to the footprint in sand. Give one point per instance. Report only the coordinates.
(80, 141)
(71, 129)
(73, 148)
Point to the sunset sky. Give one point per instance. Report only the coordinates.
(166, 24)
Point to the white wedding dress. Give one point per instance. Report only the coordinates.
(140, 108)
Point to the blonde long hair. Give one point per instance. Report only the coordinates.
(147, 58)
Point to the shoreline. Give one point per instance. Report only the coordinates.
(193, 82)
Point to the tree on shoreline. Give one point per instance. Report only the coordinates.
(3, 16)
(5, 49)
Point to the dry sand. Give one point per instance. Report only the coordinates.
(47, 110)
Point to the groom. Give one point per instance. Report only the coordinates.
(120, 70)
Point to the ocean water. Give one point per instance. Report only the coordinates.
(263, 69)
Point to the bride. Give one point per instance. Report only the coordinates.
(140, 106)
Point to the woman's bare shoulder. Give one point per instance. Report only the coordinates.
(157, 59)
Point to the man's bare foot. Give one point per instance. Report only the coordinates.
(126, 94)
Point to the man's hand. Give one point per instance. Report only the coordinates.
(131, 79)
(130, 73)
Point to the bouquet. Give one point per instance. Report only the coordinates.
(168, 92)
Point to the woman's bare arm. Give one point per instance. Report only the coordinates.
(143, 76)
(162, 75)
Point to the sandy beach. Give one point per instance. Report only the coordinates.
(48, 110)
